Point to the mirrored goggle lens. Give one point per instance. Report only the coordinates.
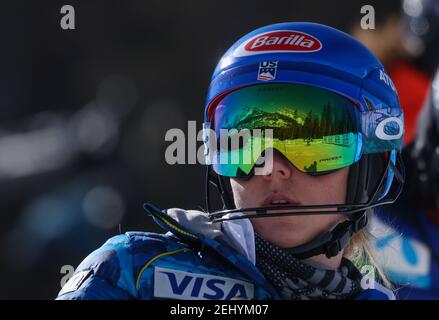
(315, 129)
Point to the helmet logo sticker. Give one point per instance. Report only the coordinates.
(267, 70)
(386, 131)
(384, 77)
(279, 41)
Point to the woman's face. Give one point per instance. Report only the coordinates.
(287, 183)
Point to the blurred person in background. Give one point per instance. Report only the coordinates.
(406, 40)
(407, 244)
(296, 230)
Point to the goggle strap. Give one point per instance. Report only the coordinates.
(400, 175)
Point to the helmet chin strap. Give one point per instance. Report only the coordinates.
(331, 242)
(364, 178)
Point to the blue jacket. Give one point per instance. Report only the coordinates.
(196, 259)
(407, 246)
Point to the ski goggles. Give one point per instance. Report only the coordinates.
(317, 130)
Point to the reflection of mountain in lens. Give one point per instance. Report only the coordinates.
(293, 124)
(286, 123)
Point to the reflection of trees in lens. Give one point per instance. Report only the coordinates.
(285, 124)
(288, 124)
(311, 168)
(336, 120)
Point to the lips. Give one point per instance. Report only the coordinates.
(278, 199)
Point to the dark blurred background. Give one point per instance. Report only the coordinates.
(84, 112)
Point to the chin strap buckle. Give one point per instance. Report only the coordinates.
(341, 241)
(342, 234)
(359, 223)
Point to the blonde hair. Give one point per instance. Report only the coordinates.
(361, 253)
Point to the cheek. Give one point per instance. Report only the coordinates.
(327, 189)
(333, 188)
(244, 192)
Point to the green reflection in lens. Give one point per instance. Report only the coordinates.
(314, 128)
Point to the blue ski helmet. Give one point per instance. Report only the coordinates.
(316, 55)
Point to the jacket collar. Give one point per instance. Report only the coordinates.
(195, 228)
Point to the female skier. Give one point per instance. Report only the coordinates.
(293, 217)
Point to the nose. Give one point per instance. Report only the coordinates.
(281, 167)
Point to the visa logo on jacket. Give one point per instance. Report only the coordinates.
(176, 284)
